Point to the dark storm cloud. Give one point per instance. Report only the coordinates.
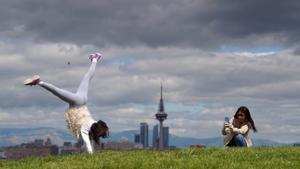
(201, 23)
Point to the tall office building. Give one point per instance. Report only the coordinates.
(155, 138)
(144, 134)
(161, 116)
(166, 137)
(136, 138)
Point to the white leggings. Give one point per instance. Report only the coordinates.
(74, 99)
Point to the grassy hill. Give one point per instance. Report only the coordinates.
(224, 158)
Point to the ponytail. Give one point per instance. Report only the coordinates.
(96, 128)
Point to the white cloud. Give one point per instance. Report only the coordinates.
(252, 54)
(219, 82)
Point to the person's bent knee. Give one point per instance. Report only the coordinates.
(240, 140)
(239, 136)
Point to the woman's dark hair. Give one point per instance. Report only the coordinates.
(96, 129)
(246, 111)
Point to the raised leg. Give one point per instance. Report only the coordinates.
(74, 99)
(69, 97)
(82, 90)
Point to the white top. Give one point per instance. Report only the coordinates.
(79, 121)
(229, 132)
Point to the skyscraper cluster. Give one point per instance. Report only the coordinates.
(144, 136)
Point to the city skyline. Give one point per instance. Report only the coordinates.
(213, 56)
(160, 137)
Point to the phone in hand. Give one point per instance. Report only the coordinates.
(226, 120)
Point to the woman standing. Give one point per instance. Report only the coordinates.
(77, 116)
(236, 130)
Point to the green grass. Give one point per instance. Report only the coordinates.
(224, 158)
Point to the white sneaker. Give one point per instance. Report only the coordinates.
(34, 80)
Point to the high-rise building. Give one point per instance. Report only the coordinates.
(144, 134)
(155, 138)
(166, 137)
(137, 138)
(161, 116)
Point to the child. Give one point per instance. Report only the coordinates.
(236, 131)
(77, 116)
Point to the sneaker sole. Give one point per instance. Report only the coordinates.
(31, 80)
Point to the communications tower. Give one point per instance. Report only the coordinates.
(161, 116)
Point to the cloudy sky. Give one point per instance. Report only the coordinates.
(211, 56)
